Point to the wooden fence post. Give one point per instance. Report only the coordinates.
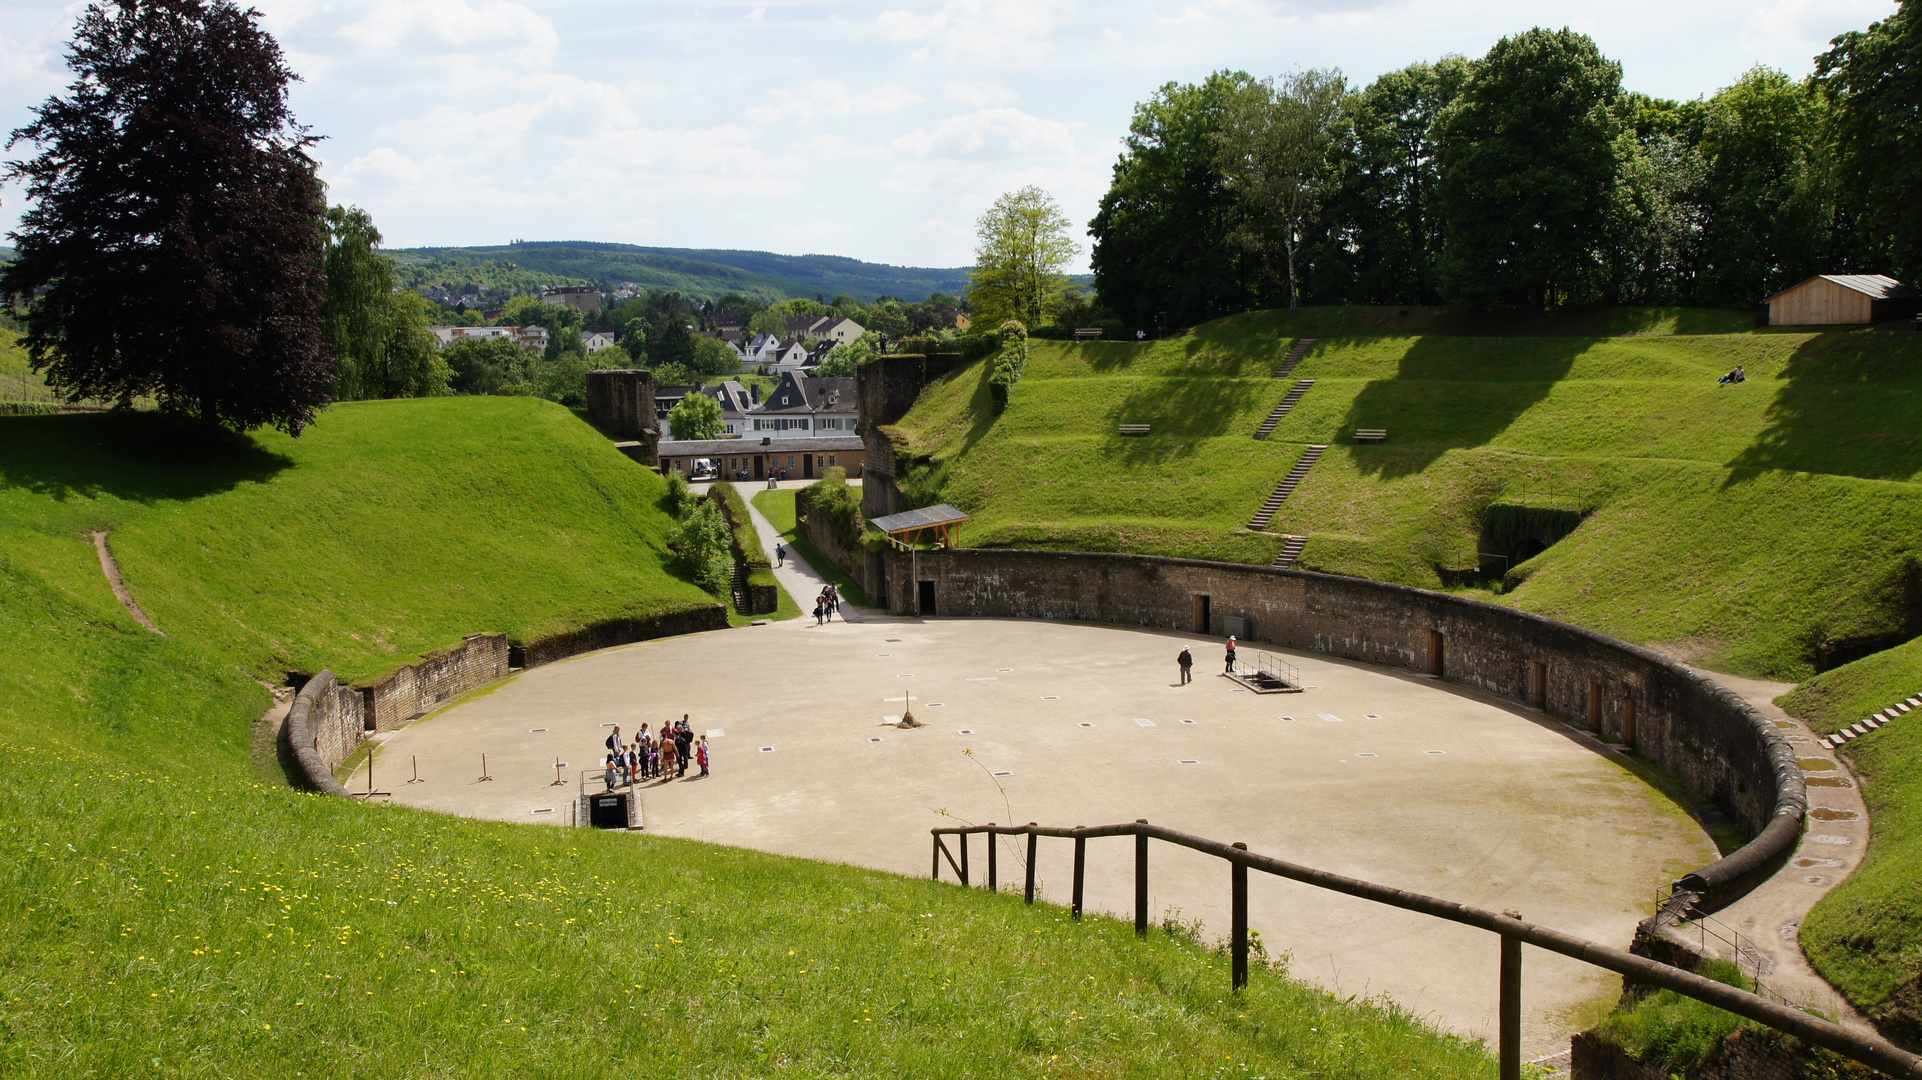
(1080, 870)
(1511, 1003)
(1033, 843)
(964, 860)
(1141, 881)
(993, 881)
(936, 872)
(1238, 922)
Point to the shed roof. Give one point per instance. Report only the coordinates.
(1877, 286)
(924, 518)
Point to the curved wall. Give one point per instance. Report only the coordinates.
(1682, 721)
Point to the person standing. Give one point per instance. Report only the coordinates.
(780, 554)
(684, 744)
(614, 741)
(1230, 669)
(667, 757)
(700, 754)
(609, 776)
(1187, 662)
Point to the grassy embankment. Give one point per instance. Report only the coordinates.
(168, 912)
(755, 555)
(778, 507)
(1766, 528)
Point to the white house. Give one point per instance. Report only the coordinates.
(838, 330)
(527, 337)
(784, 357)
(597, 340)
(805, 407)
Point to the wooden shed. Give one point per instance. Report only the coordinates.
(1838, 299)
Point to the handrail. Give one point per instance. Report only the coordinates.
(1869, 1050)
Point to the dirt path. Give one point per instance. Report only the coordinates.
(111, 568)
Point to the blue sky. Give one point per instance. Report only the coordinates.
(875, 130)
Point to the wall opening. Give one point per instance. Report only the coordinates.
(927, 599)
(1437, 665)
(1538, 685)
(1595, 705)
(1201, 614)
(760, 467)
(1628, 721)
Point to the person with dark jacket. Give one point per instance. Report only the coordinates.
(1187, 662)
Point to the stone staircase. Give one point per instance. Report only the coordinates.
(1300, 350)
(737, 585)
(1291, 551)
(1288, 485)
(1267, 427)
(1871, 723)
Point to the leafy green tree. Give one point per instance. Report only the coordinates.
(702, 547)
(1656, 220)
(1283, 152)
(563, 379)
(1021, 248)
(634, 340)
(378, 336)
(842, 361)
(673, 375)
(698, 416)
(1528, 169)
(489, 367)
(176, 221)
(1874, 78)
(888, 316)
(1388, 204)
(712, 356)
(1161, 233)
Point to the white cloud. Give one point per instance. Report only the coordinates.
(993, 32)
(989, 149)
(819, 98)
(980, 95)
(430, 27)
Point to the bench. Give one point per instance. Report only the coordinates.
(1134, 429)
(1087, 333)
(1371, 435)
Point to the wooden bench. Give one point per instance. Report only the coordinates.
(1134, 429)
(1371, 435)
(1087, 333)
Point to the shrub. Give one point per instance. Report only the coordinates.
(680, 496)
(1009, 364)
(747, 542)
(1673, 1032)
(28, 408)
(701, 548)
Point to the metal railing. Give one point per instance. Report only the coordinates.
(1677, 909)
(1509, 926)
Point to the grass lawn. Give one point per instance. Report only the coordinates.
(778, 507)
(168, 911)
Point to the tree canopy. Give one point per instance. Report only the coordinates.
(378, 337)
(1874, 77)
(698, 416)
(176, 221)
(1021, 248)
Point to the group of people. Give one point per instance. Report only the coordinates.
(1738, 375)
(1186, 661)
(664, 755)
(828, 604)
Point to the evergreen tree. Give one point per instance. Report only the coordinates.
(176, 221)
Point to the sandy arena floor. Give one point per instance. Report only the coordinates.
(1379, 775)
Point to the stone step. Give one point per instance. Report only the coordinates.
(1267, 427)
(1295, 354)
(1291, 551)
(1288, 485)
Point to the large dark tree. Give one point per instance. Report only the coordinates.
(176, 222)
(1528, 169)
(1874, 77)
(1162, 238)
(1391, 190)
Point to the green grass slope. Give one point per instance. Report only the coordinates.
(1768, 528)
(168, 913)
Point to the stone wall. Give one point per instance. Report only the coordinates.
(418, 689)
(322, 728)
(620, 402)
(864, 567)
(1716, 742)
(887, 388)
(606, 635)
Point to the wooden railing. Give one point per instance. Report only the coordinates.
(1509, 926)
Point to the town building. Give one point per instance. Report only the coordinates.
(754, 459)
(804, 407)
(585, 299)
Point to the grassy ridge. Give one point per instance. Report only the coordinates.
(1764, 528)
(167, 913)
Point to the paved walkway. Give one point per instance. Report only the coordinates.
(1833, 843)
(1370, 773)
(800, 579)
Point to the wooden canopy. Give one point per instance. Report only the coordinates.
(913, 526)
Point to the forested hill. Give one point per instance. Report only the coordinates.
(698, 273)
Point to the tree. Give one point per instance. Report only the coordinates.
(1874, 77)
(1161, 233)
(1389, 202)
(1282, 155)
(844, 359)
(1020, 249)
(698, 416)
(1528, 165)
(712, 356)
(673, 375)
(176, 221)
(378, 336)
(634, 340)
(488, 367)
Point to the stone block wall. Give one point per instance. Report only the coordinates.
(620, 402)
(866, 568)
(606, 635)
(322, 727)
(438, 677)
(887, 389)
(1682, 721)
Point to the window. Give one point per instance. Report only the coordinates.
(830, 459)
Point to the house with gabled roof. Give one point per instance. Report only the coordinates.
(1843, 299)
(801, 406)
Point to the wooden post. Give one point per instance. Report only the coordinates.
(964, 860)
(1033, 843)
(993, 881)
(1080, 870)
(1141, 881)
(936, 872)
(1238, 922)
(1511, 1004)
